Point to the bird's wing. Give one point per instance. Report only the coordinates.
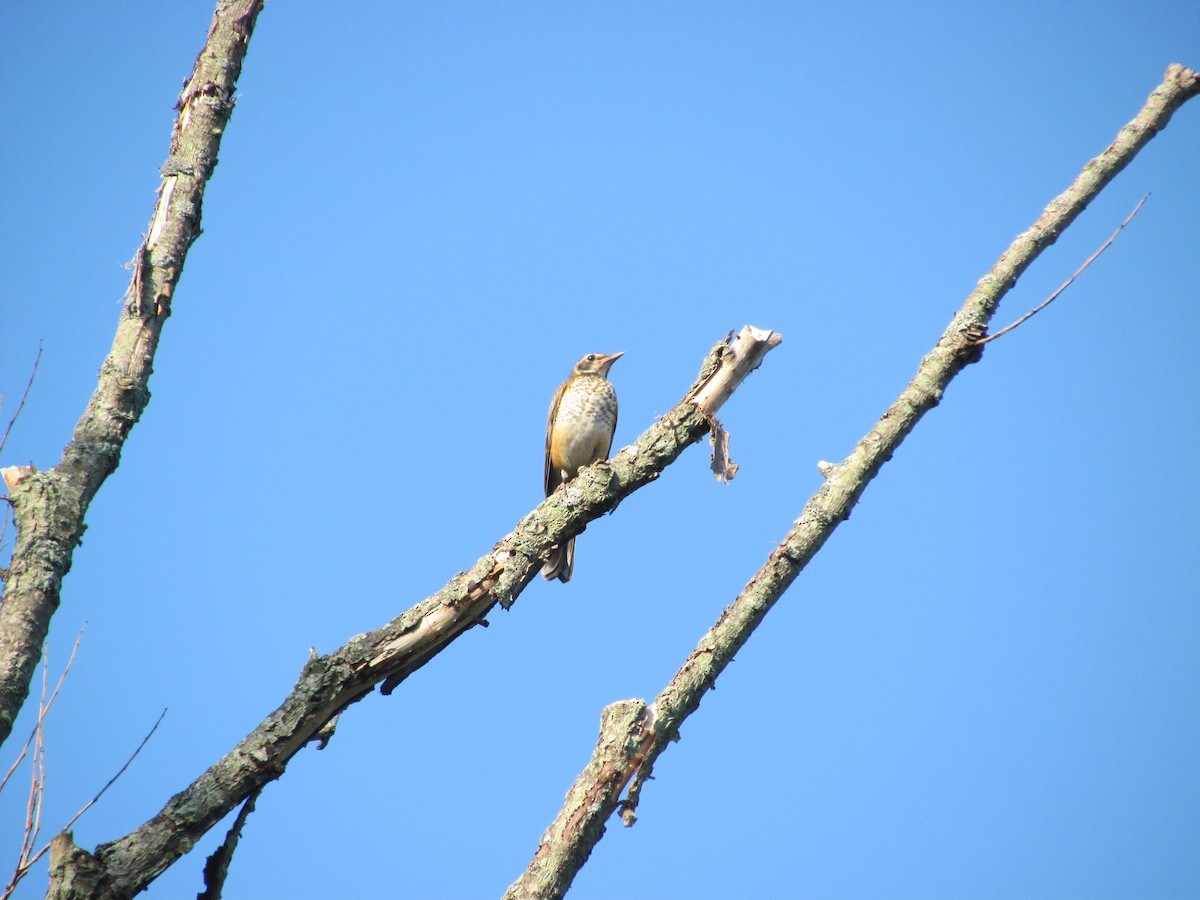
(611, 434)
(606, 444)
(550, 476)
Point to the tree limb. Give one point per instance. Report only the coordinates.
(630, 754)
(389, 654)
(49, 507)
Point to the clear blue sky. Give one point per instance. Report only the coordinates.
(987, 683)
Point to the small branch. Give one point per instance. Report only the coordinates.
(37, 788)
(631, 755)
(216, 867)
(27, 861)
(24, 397)
(43, 711)
(45, 708)
(113, 780)
(1066, 284)
(13, 474)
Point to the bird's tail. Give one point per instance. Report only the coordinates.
(561, 563)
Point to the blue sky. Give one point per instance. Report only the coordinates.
(986, 683)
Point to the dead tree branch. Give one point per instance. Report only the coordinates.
(44, 710)
(633, 734)
(329, 684)
(49, 507)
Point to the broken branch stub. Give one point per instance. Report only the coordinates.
(738, 359)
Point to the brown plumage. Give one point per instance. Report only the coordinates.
(579, 432)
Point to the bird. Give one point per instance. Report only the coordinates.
(579, 432)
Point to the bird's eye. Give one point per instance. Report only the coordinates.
(591, 357)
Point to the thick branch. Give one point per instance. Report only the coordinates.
(328, 684)
(49, 507)
(568, 842)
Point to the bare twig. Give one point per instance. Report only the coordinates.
(38, 778)
(45, 708)
(24, 397)
(28, 861)
(111, 781)
(37, 784)
(1066, 284)
(14, 474)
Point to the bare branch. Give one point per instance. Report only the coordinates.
(14, 474)
(121, 771)
(620, 756)
(1066, 284)
(28, 861)
(216, 867)
(37, 789)
(49, 507)
(37, 786)
(45, 708)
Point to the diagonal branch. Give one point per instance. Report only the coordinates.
(49, 507)
(329, 684)
(634, 734)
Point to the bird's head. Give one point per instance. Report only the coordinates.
(596, 364)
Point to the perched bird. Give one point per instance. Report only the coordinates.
(579, 431)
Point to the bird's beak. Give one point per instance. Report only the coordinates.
(610, 359)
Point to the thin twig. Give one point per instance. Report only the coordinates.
(27, 864)
(42, 713)
(24, 397)
(37, 789)
(111, 781)
(1066, 284)
(37, 781)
